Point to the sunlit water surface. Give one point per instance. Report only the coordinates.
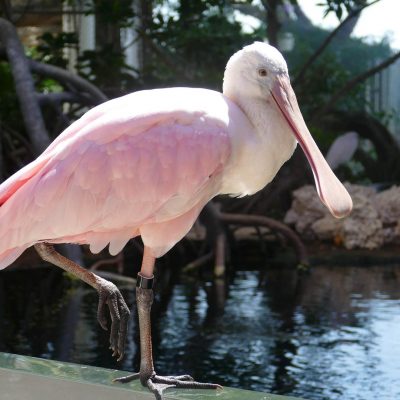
(333, 334)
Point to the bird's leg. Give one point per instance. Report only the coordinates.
(147, 375)
(108, 295)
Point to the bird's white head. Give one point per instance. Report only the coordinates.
(256, 67)
(258, 74)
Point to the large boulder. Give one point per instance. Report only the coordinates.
(374, 221)
(387, 204)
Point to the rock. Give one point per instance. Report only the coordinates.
(387, 204)
(363, 228)
(306, 209)
(327, 227)
(374, 221)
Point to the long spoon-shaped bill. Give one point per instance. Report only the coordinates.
(330, 190)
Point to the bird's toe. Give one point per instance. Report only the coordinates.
(110, 296)
(186, 383)
(128, 378)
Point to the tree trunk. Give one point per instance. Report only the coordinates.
(146, 18)
(273, 24)
(24, 87)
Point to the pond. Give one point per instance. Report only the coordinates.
(331, 334)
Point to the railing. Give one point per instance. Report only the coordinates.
(28, 378)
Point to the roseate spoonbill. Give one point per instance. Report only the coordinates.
(146, 164)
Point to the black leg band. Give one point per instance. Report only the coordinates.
(143, 282)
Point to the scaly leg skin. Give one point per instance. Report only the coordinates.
(109, 295)
(147, 376)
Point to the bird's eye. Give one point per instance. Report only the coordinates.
(262, 72)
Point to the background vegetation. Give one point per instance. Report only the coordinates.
(188, 42)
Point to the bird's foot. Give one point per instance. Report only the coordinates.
(110, 295)
(158, 384)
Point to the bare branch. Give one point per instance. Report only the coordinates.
(244, 219)
(273, 23)
(199, 262)
(219, 265)
(87, 92)
(24, 86)
(328, 40)
(351, 84)
(64, 76)
(302, 17)
(59, 97)
(250, 9)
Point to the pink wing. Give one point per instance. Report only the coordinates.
(108, 178)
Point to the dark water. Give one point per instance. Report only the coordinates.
(334, 334)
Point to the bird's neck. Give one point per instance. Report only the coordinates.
(263, 151)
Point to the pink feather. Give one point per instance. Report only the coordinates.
(142, 164)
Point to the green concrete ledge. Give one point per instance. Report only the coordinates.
(28, 378)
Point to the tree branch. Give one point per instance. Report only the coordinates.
(328, 40)
(258, 220)
(302, 18)
(64, 76)
(353, 83)
(57, 97)
(86, 91)
(250, 9)
(273, 23)
(24, 87)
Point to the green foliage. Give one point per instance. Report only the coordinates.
(338, 7)
(106, 68)
(354, 54)
(117, 12)
(188, 42)
(192, 10)
(327, 76)
(51, 47)
(201, 36)
(341, 61)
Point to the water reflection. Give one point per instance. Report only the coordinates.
(333, 334)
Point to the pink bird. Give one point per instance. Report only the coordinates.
(146, 164)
